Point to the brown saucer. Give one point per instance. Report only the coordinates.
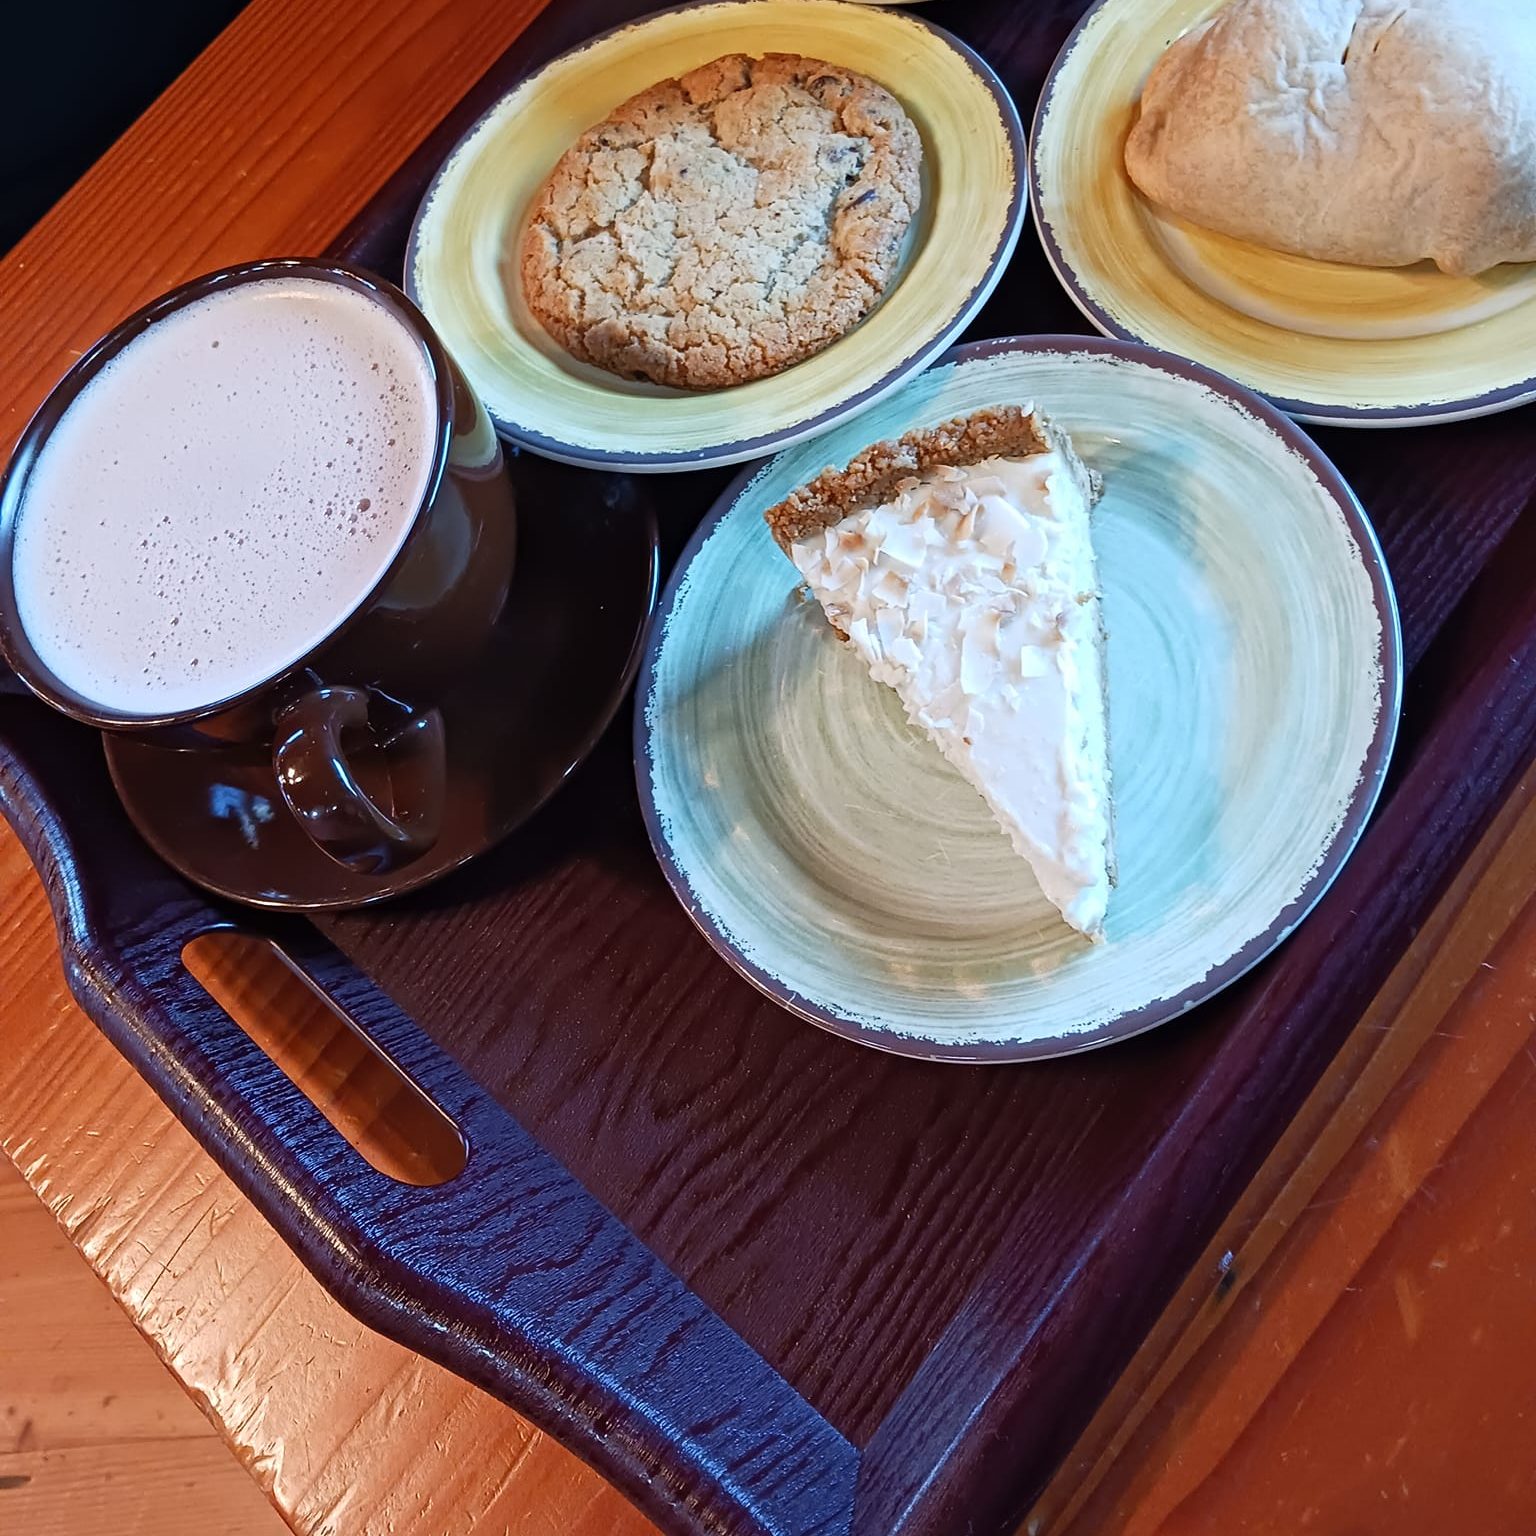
(560, 663)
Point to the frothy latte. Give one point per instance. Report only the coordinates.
(224, 493)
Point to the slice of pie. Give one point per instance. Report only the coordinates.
(958, 563)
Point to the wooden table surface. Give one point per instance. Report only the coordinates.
(1364, 1371)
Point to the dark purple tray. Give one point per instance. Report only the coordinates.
(766, 1280)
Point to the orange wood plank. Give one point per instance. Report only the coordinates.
(1368, 1369)
(143, 1488)
(270, 142)
(94, 1431)
(267, 145)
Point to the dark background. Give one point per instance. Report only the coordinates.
(77, 73)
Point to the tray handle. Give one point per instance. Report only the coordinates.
(531, 1288)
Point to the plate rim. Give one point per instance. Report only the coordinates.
(739, 450)
(1357, 813)
(1313, 412)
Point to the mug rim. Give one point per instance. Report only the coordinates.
(15, 646)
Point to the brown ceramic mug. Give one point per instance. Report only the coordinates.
(367, 692)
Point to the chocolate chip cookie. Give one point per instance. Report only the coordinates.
(721, 226)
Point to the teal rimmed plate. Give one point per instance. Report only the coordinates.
(831, 855)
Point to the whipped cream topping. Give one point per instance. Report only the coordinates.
(974, 595)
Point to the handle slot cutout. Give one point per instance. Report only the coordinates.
(327, 1057)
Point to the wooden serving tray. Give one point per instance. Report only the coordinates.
(766, 1280)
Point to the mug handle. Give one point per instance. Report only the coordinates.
(322, 792)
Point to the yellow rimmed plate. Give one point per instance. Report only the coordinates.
(461, 262)
(1351, 346)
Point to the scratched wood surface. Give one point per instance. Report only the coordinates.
(1383, 1334)
(273, 142)
(95, 1433)
(345, 1431)
(1361, 1364)
(269, 143)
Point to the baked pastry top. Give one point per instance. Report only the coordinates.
(724, 225)
(1374, 132)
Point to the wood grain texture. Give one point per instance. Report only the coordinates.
(511, 1274)
(90, 1420)
(345, 1430)
(148, 1488)
(61, 1337)
(844, 1213)
(357, 1088)
(1389, 1240)
(266, 146)
(269, 143)
(371, 87)
(280, 1364)
(861, 1276)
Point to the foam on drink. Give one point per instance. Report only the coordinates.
(222, 494)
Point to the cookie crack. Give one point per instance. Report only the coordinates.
(772, 180)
